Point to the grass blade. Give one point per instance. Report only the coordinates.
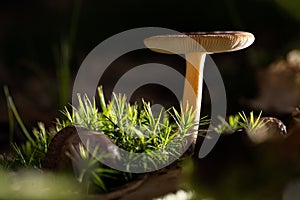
(10, 116)
(13, 109)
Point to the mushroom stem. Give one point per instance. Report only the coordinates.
(192, 94)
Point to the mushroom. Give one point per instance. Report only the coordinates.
(195, 46)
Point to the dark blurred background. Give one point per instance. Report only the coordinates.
(43, 43)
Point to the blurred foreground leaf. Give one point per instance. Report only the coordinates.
(33, 184)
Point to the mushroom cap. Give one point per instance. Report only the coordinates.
(206, 42)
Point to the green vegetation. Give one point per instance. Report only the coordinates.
(231, 126)
(240, 121)
(33, 151)
(91, 173)
(133, 128)
(251, 123)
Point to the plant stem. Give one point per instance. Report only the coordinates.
(66, 53)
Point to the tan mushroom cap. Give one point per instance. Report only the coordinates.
(206, 42)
